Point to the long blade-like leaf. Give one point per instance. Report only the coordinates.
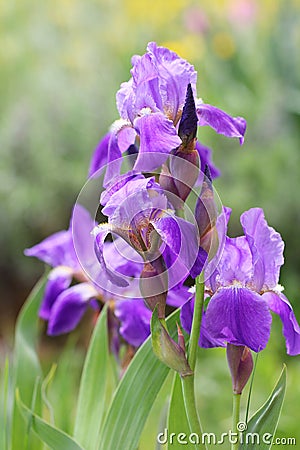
(91, 401)
(26, 365)
(134, 397)
(50, 435)
(263, 424)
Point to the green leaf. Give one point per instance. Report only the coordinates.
(135, 396)
(53, 437)
(264, 422)
(26, 366)
(177, 420)
(93, 386)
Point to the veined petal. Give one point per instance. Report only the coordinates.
(240, 317)
(175, 74)
(59, 279)
(146, 84)
(186, 319)
(100, 233)
(220, 121)
(235, 262)
(130, 188)
(279, 304)
(157, 138)
(266, 247)
(135, 320)
(69, 308)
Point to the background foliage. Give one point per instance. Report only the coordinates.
(61, 65)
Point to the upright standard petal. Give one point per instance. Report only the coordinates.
(182, 238)
(279, 304)
(69, 308)
(239, 316)
(158, 137)
(175, 74)
(220, 121)
(266, 247)
(99, 157)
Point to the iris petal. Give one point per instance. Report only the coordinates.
(158, 137)
(279, 304)
(69, 308)
(59, 279)
(135, 320)
(266, 247)
(239, 316)
(220, 121)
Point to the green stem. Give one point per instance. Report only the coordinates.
(190, 408)
(235, 418)
(197, 317)
(188, 388)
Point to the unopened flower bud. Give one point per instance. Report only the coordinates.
(240, 363)
(206, 215)
(187, 130)
(166, 349)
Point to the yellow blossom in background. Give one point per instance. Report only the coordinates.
(157, 13)
(223, 45)
(190, 47)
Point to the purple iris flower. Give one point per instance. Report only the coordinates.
(64, 305)
(150, 105)
(244, 290)
(140, 213)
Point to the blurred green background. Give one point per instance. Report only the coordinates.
(61, 65)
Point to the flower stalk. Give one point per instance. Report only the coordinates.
(235, 419)
(188, 382)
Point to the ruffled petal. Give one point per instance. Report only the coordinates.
(59, 279)
(135, 320)
(126, 188)
(69, 308)
(235, 262)
(146, 84)
(157, 138)
(175, 74)
(220, 121)
(266, 247)
(239, 316)
(279, 304)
